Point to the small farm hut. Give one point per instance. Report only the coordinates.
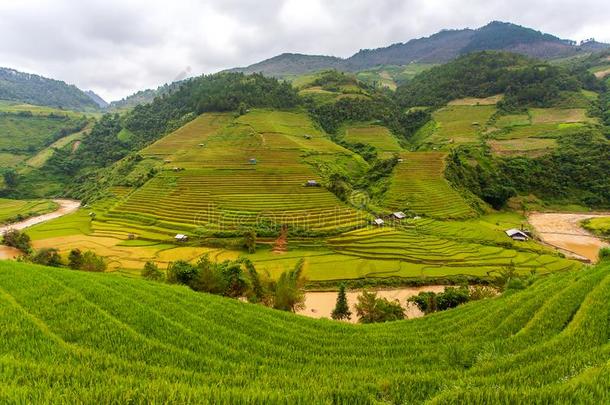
(181, 237)
(252, 161)
(312, 183)
(378, 221)
(399, 215)
(516, 234)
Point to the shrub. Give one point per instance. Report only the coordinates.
(604, 253)
(47, 257)
(93, 262)
(151, 272)
(181, 272)
(371, 309)
(17, 239)
(75, 259)
(289, 295)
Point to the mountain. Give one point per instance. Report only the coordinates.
(98, 100)
(38, 90)
(144, 96)
(294, 63)
(441, 47)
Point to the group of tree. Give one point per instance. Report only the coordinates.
(235, 279)
(574, 172)
(77, 260)
(523, 81)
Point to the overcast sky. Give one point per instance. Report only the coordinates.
(116, 47)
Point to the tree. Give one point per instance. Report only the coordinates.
(426, 301)
(93, 262)
(250, 241)
(11, 178)
(181, 272)
(288, 289)
(152, 272)
(452, 297)
(17, 239)
(371, 309)
(47, 257)
(341, 310)
(75, 259)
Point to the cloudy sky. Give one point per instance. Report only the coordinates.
(116, 47)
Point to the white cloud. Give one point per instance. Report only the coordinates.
(116, 47)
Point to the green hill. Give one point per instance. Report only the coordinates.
(73, 337)
(34, 89)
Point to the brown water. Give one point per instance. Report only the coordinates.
(320, 304)
(563, 231)
(65, 207)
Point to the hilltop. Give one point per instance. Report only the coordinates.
(438, 48)
(34, 89)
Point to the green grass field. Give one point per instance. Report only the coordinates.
(10, 210)
(73, 337)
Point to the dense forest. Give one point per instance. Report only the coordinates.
(38, 90)
(523, 81)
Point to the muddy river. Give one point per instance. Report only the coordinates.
(320, 304)
(65, 207)
(563, 231)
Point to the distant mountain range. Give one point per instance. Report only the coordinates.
(441, 47)
(34, 89)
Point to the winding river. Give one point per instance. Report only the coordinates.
(65, 207)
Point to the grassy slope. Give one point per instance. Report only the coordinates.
(75, 337)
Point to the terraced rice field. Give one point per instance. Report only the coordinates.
(219, 187)
(9, 209)
(440, 255)
(534, 133)
(377, 136)
(74, 337)
(531, 147)
(418, 186)
(459, 124)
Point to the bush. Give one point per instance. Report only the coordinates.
(604, 253)
(151, 272)
(181, 272)
(93, 262)
(289, 294)
(18, 240)
(371, 309)
(75, 259)
(47, 257)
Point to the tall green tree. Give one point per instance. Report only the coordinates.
(341, 310)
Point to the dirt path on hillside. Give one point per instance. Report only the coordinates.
(320, 304)
(65, 207)
(563, 231)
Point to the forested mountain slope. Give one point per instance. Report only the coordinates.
(38, 90)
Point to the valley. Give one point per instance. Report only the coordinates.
(426, 222)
